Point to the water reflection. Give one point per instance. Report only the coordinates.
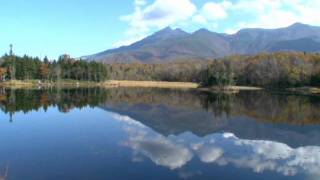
(220, 149)
(188, 132)
(262, 106)
(26, 100)
(4, 174)
(293, 120)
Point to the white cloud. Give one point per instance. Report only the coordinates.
(165, 12)
(274, 13)
(126, 119)
(215, 11)
(210, 154)
(211, 13)
(140, 2)
(258, 155)
(161, 151)
(199, 19)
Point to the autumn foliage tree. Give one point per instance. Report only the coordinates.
(44, 71)
(3, 72)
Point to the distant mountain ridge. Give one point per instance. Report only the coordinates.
(175, 44)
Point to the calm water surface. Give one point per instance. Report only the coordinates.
(157, 134)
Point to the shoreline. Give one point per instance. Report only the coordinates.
(305, 90)
(17, 84)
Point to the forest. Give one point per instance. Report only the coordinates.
(281, 69)
(28, 68)
(276, 70)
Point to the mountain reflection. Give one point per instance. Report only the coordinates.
(220, 149)
(293, 120)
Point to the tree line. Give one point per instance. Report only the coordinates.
(182, 71)
(14, 67)
(281, 69)
(277, 70)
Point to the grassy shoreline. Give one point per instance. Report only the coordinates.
(151, 84)
(16, 84)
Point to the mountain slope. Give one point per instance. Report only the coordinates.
(303, 44)
(170, 45)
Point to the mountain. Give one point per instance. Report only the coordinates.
(175, 44)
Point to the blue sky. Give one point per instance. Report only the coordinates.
(82, 27)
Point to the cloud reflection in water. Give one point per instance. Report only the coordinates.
(220, 149)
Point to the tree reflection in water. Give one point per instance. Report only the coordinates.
(261, 105)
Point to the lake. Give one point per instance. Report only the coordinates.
(134, 133)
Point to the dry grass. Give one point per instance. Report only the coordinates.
(231, 88)
(149, 84)
(240, 88)
(17, 84)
